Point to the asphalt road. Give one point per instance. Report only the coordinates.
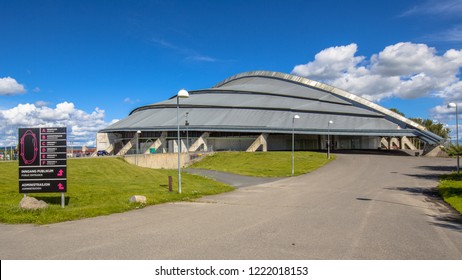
(357, 207)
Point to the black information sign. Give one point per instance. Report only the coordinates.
(42, 160)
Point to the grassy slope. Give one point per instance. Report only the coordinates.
(450, 188)
(99, 186)
(268, 164)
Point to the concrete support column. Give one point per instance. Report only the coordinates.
(128, 146)
(395, 143)
(199, 142)
(161, 141)
(384, 142)
(105, 142)
(406, 143)
(260, 141)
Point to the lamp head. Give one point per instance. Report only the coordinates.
(183, 93)
(331, 122)
(296, 117)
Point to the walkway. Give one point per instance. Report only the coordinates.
(234, 180)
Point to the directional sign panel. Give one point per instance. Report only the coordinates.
(42, 173)
(42, 159)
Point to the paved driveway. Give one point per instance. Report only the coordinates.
(357, 207)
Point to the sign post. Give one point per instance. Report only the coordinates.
(43, 160)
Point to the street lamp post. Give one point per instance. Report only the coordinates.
(181, 94)
(328, 138)
(454, 105)
(137, 145)
(293, 141)
(186, 123)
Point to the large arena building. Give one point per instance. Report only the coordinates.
(264, 110)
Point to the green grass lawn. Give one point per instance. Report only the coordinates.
(268, 164)
(99, 186)
(450, 189)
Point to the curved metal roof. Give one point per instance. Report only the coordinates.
(263, 101)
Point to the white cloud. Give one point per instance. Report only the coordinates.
(41, 103)
(370, 86)
(9, 86)
(189, 53)
(441, 110)
(131, 101)
(81, 126)
(330, 63)
(435, 7)
(408, 59)
(201, 58)
(403, 70)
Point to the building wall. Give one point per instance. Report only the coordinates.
(159, 161)
(356, 142)
(230, 144)
(284, 142)
(276, 142)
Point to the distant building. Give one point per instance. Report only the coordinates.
(83, 151)
(255, 111)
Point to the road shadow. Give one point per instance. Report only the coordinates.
(446, 217)
(436, 172)
(427, 176)
(439, 168)
(388, 202)
(427, 192)
(450, 221)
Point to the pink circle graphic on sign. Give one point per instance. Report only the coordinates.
(29, 159)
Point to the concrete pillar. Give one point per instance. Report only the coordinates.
(395, 142)
(161, 141)
(128, 146)
(105, 141)
(260, 141)
(406, 143)
(384, 142)
(202, 140)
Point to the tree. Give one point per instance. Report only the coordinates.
(432, 126)
(453, 150)
(397, 111)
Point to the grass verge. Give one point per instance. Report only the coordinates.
(99, 186)
(450, 189)
(268, 164)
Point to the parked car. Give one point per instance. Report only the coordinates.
(102, 153)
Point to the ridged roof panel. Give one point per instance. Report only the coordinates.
(263, 101)
(242, 77)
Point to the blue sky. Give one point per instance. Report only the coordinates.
(85, 64)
